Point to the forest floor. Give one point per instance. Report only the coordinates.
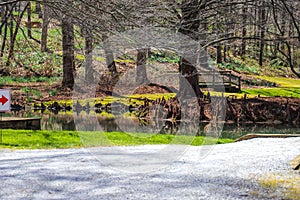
(271, 88)
(32, 92)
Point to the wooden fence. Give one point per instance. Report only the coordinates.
(219, 79)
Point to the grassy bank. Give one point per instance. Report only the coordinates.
(24, 139)
(288, 87)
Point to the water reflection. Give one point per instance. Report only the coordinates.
(65, 121)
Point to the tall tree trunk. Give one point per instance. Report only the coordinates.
(3, 71)
(4, 22)
(188, 80)
(89, 76)
(109, 56)
(283, 28)
(244, 30)
(290, 60)
(29, 20)
(68, 53)
(141, 71)
(257, 23)
(45, 24)
(262, 32)
(219, 54)
(225, 52)
(189, 26)
(4, 38)
(3, 13)
(218, 24)
(38, 9)
(11, 25)
(29, 23)
(3, 17)
(13, 34)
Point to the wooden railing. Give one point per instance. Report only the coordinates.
(217, 79)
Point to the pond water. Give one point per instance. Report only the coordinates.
(68, 121)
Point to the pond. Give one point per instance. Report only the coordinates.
(69, 121)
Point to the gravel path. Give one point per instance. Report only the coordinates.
(228, 171)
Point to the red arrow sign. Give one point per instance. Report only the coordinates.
(3, 100)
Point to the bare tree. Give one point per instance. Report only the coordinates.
(88, 36)
(262, 24)
(45, 24)
(38, 9)
(13, 33)
(68, 52)
(29, 20)
(141, 71)
(190, 24)
(265, 30)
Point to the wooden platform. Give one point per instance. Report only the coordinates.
(20, 123)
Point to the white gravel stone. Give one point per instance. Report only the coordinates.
(228, 171)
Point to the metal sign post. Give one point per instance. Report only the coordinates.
(1, 128)
(5, 101)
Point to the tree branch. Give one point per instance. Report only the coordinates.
(10, 2)
(293, 18)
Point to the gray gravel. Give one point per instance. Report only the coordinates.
(228, 171)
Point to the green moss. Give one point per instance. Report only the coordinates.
(153, 96)
(106, 114)
(124, 61)
(127, 100)
(283, 82)
(237, 95)
(274, 92)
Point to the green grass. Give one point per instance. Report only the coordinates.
(283, 82)
(289, 87)
(10, 79)
(164, 57)
(125, 139)
(24, 139)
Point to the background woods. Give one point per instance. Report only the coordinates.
(54, 38)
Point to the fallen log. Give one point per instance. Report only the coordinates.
(251, 136)
(295, 163)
